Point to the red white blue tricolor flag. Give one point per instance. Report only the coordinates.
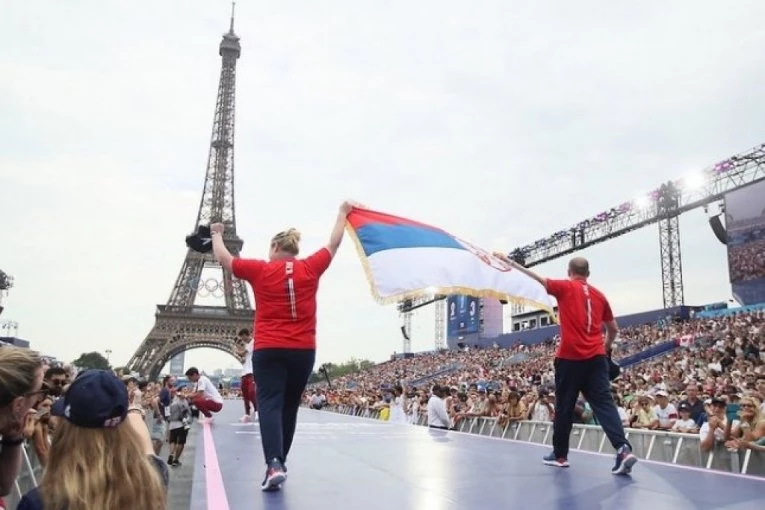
(406, 259)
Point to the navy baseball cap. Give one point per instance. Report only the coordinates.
(96, 399)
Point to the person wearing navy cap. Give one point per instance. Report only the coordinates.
(96, 399)
(101, 454)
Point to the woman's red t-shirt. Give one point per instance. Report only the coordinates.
(285, 313)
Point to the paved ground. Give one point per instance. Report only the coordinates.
(342, 462)
(182, 478)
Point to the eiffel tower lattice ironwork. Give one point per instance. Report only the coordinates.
(181, 324)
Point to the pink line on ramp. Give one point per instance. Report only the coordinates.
(216, 492)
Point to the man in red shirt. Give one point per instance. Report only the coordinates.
(285, 290)
(581, 361)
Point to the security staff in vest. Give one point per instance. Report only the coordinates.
(581, 361)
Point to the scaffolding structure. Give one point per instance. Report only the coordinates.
(663, 206)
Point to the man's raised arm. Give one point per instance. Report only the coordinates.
(528, 272)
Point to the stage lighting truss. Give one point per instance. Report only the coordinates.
(670, 199)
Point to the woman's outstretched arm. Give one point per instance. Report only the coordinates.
(220, 251)
(339, 229)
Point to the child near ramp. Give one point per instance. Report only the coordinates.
(179, 420)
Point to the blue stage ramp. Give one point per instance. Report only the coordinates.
(345, 462)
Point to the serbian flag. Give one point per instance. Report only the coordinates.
(405, 259)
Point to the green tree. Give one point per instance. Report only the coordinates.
(92, 360)
(366, 364)
(349, 367)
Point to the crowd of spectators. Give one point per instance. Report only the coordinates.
(747, 261)
(711, 384)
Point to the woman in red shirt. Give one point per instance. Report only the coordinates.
(285, 290)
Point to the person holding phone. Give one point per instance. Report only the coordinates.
(96, 426)
(37, 430)
(21, 371)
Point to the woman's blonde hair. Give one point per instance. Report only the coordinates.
(756, 407)
(287, 241)
(18, 373)
(100, 468)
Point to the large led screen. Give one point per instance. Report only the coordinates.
(745, 225)
(462, 316)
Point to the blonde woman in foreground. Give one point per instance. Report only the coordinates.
(21, 388)
(101, 456)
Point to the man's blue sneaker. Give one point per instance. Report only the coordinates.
(625, 459)
(552, 460)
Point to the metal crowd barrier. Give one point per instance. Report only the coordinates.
(31, 471)
(660, 446)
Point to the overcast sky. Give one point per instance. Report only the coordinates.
(500, 121)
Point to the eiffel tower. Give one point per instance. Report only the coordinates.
(181, 324)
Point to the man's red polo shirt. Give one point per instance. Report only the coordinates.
(582, 310)
(285, 316)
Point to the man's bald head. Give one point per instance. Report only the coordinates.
(579, 267)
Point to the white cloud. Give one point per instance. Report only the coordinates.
(502, 122)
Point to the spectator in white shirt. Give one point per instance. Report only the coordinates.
(715, 429)
(245, 345)
(665, 411)
(542, 409)
(316, 400)
(206, 397)
(685, 423)
(438, 418)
